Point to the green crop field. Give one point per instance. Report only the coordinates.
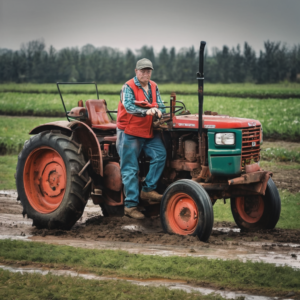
(233, 89)
(14, 131)
(279, 117)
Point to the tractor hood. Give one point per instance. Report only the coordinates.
(210, 121)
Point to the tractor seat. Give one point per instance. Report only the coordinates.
(98, 115)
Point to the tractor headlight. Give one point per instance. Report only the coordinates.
(225, 138)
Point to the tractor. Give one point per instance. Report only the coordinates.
(209, 157)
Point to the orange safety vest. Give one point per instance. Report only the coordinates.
(133, 125)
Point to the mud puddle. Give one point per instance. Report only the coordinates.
(170, 284)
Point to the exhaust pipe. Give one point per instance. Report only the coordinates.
(200, 78)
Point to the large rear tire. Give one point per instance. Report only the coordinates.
(186, 209)
(51, 188)
(257, 212)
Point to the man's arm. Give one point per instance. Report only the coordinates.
(127, 98)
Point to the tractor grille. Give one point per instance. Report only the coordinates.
(250, 145)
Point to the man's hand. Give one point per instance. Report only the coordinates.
(153, 111)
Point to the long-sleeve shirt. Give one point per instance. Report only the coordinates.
(128, 98)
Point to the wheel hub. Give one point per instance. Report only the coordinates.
(182, 214)
(45, 179)
(50, 179)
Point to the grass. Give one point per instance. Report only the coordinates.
(14, 131)
(270, 165)
(230, 273)
(8, 165)
(279, 118)
(45, 104)
(37, 286)
(281, 154)
(233, 89)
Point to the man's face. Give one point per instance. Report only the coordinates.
(143, 75)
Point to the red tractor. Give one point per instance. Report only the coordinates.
(208, 158)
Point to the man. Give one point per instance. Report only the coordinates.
(140, 101)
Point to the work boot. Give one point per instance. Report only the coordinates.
(152, 195)
(133, 213)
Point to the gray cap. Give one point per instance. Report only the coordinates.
(143, 64)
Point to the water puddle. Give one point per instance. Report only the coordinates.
(9, 193)
(156, 282)
(14, 220)
(139, 228)
(15, 237)
(226, 229)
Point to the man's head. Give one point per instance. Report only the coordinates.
(143, 70)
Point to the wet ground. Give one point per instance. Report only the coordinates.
(277, 246)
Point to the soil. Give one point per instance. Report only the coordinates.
(94, 227)
(283, 176)
(286, 179)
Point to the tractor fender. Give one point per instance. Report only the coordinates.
(57, 125)
(83, 135)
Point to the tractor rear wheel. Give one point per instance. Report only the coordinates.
(186, 209)
(51, 188)
(257, 212)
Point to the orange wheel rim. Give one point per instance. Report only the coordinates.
(182, 214)
(44, 179)
(250, 209)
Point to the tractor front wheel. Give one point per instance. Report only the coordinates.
(257, 212)
(50, 184)
(186, 209)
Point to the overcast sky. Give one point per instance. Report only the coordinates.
(131, 24)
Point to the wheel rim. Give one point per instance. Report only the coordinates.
(182, 214)
(44, 179)
(250, 209)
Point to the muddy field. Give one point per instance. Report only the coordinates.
(277, 246)
(93, 226)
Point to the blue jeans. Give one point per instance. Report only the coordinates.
(129, 148)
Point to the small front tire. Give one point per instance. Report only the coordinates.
(186, 209)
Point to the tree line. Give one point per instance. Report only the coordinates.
(35, 63)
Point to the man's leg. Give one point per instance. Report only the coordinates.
(155, 149)
(129, 148)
